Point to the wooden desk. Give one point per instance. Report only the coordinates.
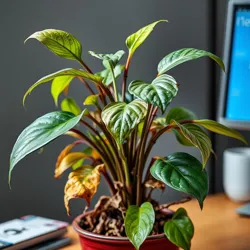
(217, 227)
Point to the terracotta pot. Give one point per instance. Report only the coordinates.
(91, 241)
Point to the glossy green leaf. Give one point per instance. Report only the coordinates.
(136, 39)
(139, 222)
(42, 131)
(180, 114)
(58, 85)
(183, 55)
(64, 72)
(70, 105)
(106, 74)
(182, 172)
(121, 118)
(159, 93)
(220, 129)
(59, 42)
(196, 136)
(180, 230)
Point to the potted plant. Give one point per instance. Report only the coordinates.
(119, 132)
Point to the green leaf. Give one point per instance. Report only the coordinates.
(159, 93)
(91, 100)
(180, 114)
(112, 59)
(196, 136)
(121, 118)
(180, 230)
(58, 86)
(220, 129)
(59, 42)
(139, 222)
(183, 55)
(64, 72)
(42, 131)
(106, 74)
(70, 105)
(182, 172)
(136, 39)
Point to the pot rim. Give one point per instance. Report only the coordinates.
(78, 229)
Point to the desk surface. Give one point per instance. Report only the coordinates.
(217, 227)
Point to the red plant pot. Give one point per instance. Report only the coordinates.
(91, 241)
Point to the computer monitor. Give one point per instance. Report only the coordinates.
(234, 108)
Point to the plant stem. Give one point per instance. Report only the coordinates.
(140, 161)
(159, 133)
(85, 66)
(125, 76)
(86, 85)
(114, 83)
(110, 182)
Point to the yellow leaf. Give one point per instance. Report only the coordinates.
(69, 159)
(82, 183)
(73, 134)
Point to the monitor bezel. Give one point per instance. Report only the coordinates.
(232, 5)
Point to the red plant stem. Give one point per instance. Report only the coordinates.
(140, 160)
(85, 66)
(86, 85)
(125, 76)
(110, 182)
(158, 134)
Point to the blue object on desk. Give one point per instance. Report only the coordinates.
(244, 210)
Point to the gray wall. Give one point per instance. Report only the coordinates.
(222, 143)
(101, 26)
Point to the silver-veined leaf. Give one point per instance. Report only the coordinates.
(136, 39)
(59, 84)
(106, 74)
(39, 133)
(180, 229)
(139, 222)
(159, 93)
(60, 43)
(121, 118)
(182, 172)
(64, 72)
(183, 55)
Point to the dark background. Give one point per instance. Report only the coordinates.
(101, 26)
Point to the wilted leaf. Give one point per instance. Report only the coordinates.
(180, 229)
(66, 160)
(139, 223)
(121, 118)
(159, 93)
(183, 55)
(82, 183)
(59, 42)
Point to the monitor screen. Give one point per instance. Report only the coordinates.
(238, 86)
